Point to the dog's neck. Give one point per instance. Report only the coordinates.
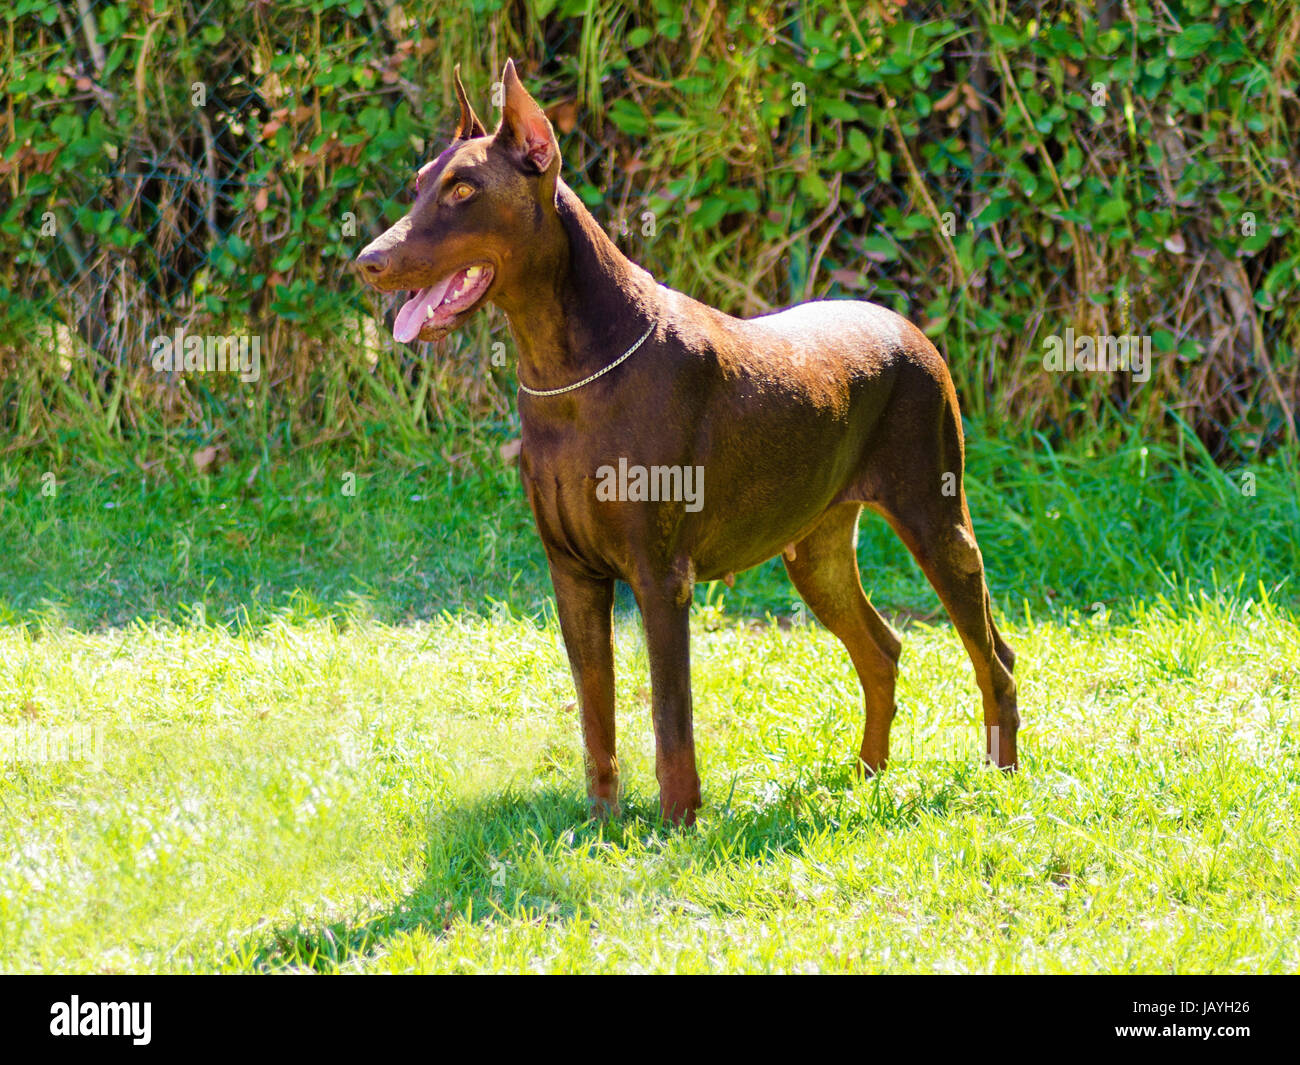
(587, 302)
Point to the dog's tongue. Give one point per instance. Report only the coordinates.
(414, 312)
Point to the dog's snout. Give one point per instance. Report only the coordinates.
(372, 264)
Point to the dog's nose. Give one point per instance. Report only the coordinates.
(372, 264)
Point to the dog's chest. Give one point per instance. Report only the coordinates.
(596, 506)
(559, 482)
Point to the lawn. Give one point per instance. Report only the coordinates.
(336, 732)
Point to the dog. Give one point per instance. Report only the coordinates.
(786, 425)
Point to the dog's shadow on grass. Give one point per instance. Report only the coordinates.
(540, 856)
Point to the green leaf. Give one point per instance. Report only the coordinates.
(859, 145)
(881, 248)
(628, 117)
(1004, 36)
(1193, 40)
(1110, 40)
(1112, 211)
(710, 213)
(815, 188)
(837, 107)
(995, 210)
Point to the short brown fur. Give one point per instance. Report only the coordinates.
(798, 419)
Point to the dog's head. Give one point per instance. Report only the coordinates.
(480, 210)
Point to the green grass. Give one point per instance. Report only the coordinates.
(338, 734)
(445, 527)
(381, 798)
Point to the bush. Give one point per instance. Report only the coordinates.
(998, 180)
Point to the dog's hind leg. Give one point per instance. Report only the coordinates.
(928, 511)
(824, 569)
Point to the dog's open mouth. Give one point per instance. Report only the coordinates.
(438, 305)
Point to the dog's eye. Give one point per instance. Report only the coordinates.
(461, 191)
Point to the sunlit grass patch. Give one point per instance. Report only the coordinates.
(374, 797)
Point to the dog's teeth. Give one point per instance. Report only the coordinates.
(473, 272)
(428, 312)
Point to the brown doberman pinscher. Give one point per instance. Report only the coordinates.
(630, 393)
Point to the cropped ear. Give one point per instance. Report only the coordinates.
(525, 131)
(469, 125)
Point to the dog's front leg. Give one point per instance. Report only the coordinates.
(665, 610)
(586, 609)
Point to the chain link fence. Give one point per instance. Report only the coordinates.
(128, 242)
